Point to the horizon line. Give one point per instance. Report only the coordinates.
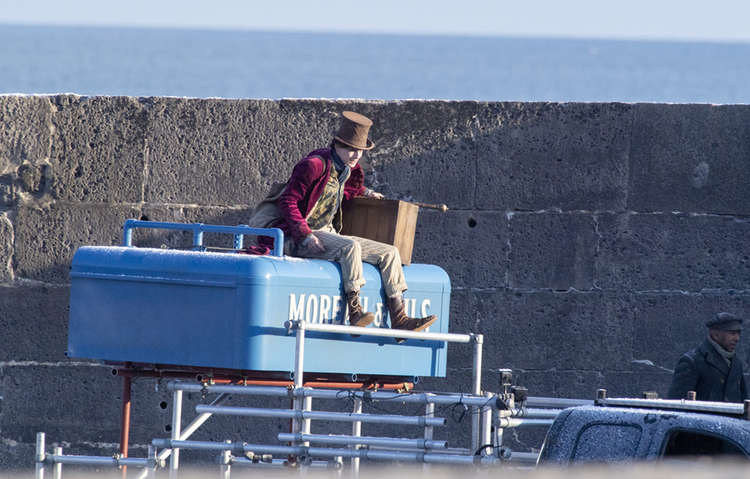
(382, 32)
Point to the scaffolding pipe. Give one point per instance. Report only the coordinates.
(486, 429)
(226, 462)
(299, 372)
(58, 459)
(327, 452)
(414, 398)
(476, 390)
(174, 460)
(41, 455)
(98, 460)
(381, 332)
(451, 451)
(274, 464)
(536, 413)
(703, 406)
(320, 415)
(57, 471)
(306, 407)
(523, 422)
(497, 440)
(342, 440)
(228, 389)
(561, 403)
(153, 462)
(236, 447)
(429, 411)
(357, 432)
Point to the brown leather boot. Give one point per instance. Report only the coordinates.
(399, 319)
(357, 317)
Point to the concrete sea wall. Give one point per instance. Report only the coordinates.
(588, 242)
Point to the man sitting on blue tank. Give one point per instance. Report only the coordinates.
(307, 208)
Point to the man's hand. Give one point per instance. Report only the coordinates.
(375, 194)
(312, 245)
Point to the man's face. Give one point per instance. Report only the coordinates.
(726, 339)
(350, 156)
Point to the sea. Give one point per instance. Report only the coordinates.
(257, 64)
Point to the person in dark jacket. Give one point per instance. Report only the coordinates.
(713, 369)
(307, 208)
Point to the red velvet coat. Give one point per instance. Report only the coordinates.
(304, 188)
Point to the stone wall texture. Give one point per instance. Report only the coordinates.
(588, 242)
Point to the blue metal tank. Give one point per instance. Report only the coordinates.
(224, 310)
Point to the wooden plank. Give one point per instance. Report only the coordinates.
(387, 221)
(406, 225)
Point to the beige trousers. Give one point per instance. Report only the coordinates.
(350, 252)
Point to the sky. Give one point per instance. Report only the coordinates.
(702, 20)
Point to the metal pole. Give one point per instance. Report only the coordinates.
(476, 390)
(299, 368)
(536, 413)
(412, 398)
(342, 440)
(523, 422)
(321, 415)
(417, 456)
(238, 240)
(382, 332)
(486, 417)
(226, 462)
(57, 474)
(533, 401)
(704, 406)
(174, 460)
(306, 406)
(305, 429)
(498, 439)
(41, 455)
(125, 420)
(197, 238)
(228, 389)
(299, 355)
(98, 460)
(337, 464)
(153, 462)
(357, 432)
(429, 412)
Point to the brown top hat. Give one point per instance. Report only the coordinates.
(353, 131)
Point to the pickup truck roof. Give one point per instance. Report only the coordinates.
(622, 430)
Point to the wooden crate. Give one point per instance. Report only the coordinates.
(388, 221)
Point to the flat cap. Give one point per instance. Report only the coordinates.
(725, 322)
